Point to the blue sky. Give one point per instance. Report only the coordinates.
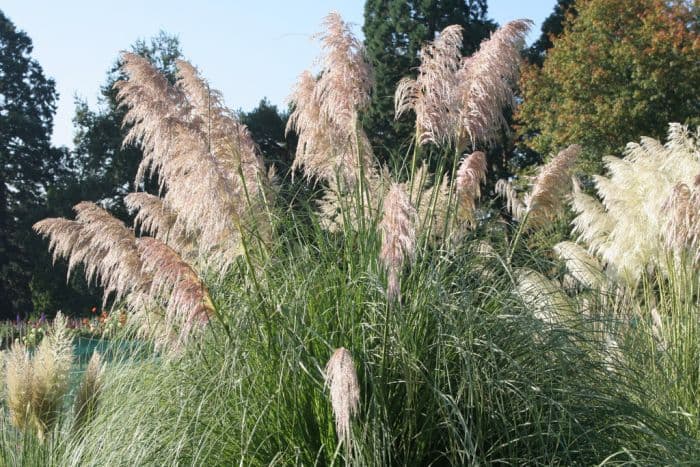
(246, 49)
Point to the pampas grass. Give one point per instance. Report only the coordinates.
(18, 383)
(398, 236)
(646, 206)
(331, 146)
(36, 385)
(545, 201)
(459, 101)
(341, 379)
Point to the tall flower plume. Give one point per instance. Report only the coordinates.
(470, 174)
(18, 383)
(341, 378)
(546, 199)
(398, 236)
(208, 166)
(324, 117)
(485, 84)
(431, 94)
(460, 100)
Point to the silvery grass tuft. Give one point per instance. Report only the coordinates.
(647, 209)
(36, 385)
(398, 228)
(459, 101)
(546, 199)
(341, 379)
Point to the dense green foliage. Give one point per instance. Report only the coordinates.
(394, 33)
(620, 70)
(28, 163)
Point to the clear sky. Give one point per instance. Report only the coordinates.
(247, 49)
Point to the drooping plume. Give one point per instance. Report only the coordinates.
(398, 227)
(102, 243)
(209, 170)
(188, 306)
(470, 174)
(583, 267)
(341, 378)
(156, 218)
(331, 145)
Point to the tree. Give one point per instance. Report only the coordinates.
(619, 71)
(267, 126)
(395, 31)
(29, 163)
(552, 27)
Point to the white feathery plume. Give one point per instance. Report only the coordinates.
(582, 266)
(324, 116)
(470, 174)
(485, 84)
(51, 366)
(341, 378)
(18, 383)
(431, 94)
(545, 298)
(398, 236)
(647, 206)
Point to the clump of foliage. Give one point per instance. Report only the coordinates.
(619, 70)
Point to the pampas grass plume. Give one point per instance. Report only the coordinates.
(398, 235)
(341, 378)
(18, 382)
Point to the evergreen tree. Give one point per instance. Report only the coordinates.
(29, 163)
(395, 31)
(267, 126)
(552, 27)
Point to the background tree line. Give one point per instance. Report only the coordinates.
(602, 73)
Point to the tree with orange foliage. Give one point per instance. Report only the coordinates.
(619, 71)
